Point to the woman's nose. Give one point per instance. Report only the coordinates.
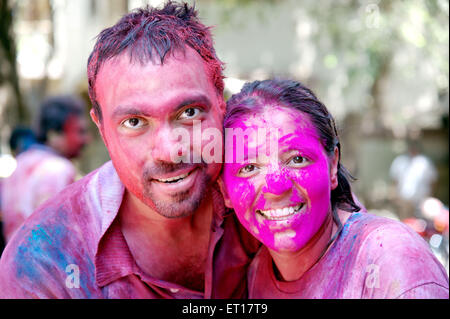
(277, 183)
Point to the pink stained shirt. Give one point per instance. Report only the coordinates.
(40, 174)
(78, 233)
(372, 258)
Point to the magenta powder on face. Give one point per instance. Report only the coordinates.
(278, 184)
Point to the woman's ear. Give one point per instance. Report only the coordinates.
(226, 198)
(334, 169)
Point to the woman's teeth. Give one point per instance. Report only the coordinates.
(173, 179)
(280, 213)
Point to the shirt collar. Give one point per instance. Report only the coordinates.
(113, 259)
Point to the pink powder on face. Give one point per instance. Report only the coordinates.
(129, 90)
(280, 183)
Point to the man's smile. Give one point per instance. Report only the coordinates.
(174, 179)
(176, 182)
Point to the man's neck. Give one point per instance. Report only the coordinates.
(293, 265)
(163, 246)
(138, 216)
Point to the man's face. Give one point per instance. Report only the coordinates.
(75, 135)
(141, 107)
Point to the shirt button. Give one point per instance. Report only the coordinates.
(174, 290)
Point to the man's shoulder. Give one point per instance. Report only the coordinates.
(75, 207)
(54, 225)
(36, 259)
(62, 232)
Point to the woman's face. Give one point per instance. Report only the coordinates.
(281, 198)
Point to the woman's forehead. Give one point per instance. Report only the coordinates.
(286, 119)
(278, 129)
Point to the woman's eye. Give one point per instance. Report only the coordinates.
(189, 113)
(247, 170)
(298, 161)
(133, 123)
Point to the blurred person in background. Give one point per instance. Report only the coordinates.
(414, 175)
(20, 140)
(43, 165)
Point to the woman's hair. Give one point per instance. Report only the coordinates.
(255, 96)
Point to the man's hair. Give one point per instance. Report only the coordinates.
(259, 94)
(55, 111)
(148, 33)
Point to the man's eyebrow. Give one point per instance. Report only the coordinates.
(192, 100)
(128, 110)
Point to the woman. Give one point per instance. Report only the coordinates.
(297, 201)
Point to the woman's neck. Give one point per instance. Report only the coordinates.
(292, 265)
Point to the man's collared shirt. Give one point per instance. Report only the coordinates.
(73, 247)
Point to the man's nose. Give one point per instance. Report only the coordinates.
(163, 144)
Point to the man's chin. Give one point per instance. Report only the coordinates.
(176, 210)
(181, 204)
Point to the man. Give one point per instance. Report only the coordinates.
(20, 140)
(44, 168)
(414, 175)
(141, 226)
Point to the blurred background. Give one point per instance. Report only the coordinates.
(381, 68)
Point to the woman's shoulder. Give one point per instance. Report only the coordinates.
(374, 232)
(400, 258)
(371, 225)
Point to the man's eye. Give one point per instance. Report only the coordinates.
(189, 113)
(247, 170)
(298, 161)
(133, 123)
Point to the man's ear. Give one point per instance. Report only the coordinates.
(223, 105)
(224, 192)
(97, 123)
(334, 169)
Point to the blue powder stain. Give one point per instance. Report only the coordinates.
(38, 251)
(23, 264)
(44, 251)
(29, 252)
(39, 234)
(59, 234)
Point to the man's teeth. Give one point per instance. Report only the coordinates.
(172, 179)
(280, 213)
